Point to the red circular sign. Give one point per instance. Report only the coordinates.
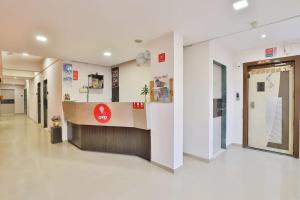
(102, 113)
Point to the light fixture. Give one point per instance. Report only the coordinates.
(263, 36)
(15, 77)
(107, 54)
(41, 38)
(25, 54)
(138, 41)
(239, 5)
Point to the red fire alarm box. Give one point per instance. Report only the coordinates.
(75, 75)
(162, 57)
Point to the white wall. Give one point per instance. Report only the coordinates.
(166, 118)
(1, 67)
(103, 95)
(19, 100)
(132, 79)
(19, 96)
(198, 96)
(53, 73)
(196, 100)
(178, 100)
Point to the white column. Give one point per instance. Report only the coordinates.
(167, 118)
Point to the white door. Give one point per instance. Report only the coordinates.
(271, 108)
(7, 105)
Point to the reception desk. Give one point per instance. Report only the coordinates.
(109, 127)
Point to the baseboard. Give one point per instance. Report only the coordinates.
(197, 157)
(215, 156)
(164, 167)
(235, 145)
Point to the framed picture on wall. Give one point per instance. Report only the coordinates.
(161, 89)
(67, 72)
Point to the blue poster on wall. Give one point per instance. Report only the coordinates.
(67, 72)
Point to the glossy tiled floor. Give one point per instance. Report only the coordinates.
(33, 169)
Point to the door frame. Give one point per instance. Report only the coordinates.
(257, 64)
(39, 102)
(25, 101)
(224, 105)
(45, 103)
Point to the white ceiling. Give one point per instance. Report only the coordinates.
(17, 61)
(17, 68)
(285, 33)
(9, 80)
(82, 30)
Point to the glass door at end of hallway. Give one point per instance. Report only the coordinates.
(271, 108)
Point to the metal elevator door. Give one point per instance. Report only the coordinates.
(271, 108)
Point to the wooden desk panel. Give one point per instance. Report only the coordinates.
(121, 140)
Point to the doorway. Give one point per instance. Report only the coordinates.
(39, 100)
(271, 104)
(25, 101)
(45, 103)
(219, 107)
(7, 103)
(270, 114)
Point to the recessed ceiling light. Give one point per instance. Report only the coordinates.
(41, 38)
(107, 53)
(138, 41)
(25, 54)
(263, 36)
(239, 5)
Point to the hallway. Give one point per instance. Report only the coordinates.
(33, 169)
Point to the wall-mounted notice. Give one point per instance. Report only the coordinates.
(75, 75)
(67, 73)
(270, 52)
(138, 105)
(161, 89)
(162, 57)
(115, 77)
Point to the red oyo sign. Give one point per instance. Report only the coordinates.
(102, 113)
(138, 105)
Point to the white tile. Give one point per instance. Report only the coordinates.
(33, 169)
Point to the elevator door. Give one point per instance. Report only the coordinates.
(271, 108)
